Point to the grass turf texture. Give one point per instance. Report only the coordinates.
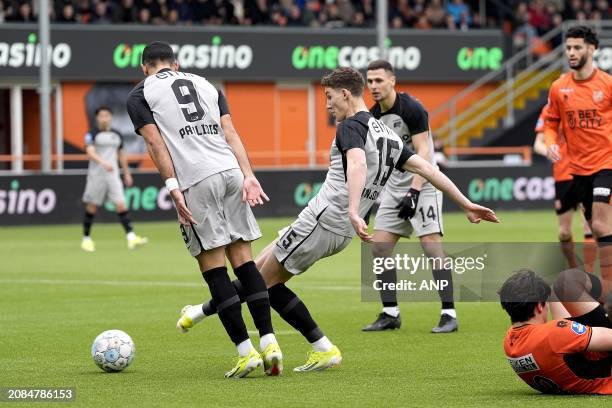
(55, 299)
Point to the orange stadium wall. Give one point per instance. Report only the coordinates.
(272, 118)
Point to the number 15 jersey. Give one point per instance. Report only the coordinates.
(187, 109)
(384, 151)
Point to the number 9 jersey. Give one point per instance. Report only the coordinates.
(187, 109)
(384, 151)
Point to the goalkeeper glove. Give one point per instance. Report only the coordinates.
(408, 204)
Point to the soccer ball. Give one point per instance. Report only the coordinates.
(113, 350)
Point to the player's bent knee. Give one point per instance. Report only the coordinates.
(565, 235)
(601, 228)
(570, 284)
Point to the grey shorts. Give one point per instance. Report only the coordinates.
(99, 188)
(305, 241)
(221, 215)
(427, 220)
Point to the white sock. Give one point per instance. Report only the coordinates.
(323, 344)
(391, 311)
(450, 312)
(195, 313)
(130, 235)
(266, 340)
(244, 348)
(86, 238)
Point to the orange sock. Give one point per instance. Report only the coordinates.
(590, 253)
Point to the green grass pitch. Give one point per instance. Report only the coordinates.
(55, 299)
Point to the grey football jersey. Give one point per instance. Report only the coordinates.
(187, 109)
(384, 152)
(406, 117)
(106, 144)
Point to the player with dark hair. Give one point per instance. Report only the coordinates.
(188, 129)
(566, 199)
(409, 203)
(363, 155)
(104, 146)
(580, 103)
(564, 355)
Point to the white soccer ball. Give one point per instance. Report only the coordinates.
(113, 350)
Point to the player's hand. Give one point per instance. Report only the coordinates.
(128, 180)
(107, 166)
(552, 152)
(360, 227)
(476, 213)
(184, 215)
(252, 192)
(408, 204)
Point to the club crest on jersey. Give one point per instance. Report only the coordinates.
(578, 328)
(598, 96)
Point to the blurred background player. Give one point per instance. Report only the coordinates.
(190, 136)
(566, 199)
(580, 102)
(355, 178)
(569, 354)
(409, 203)
(104, 148)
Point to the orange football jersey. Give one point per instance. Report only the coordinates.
(561, 169)
(552, 358)
(584, 109)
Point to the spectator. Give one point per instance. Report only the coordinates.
(295, 16)
(125, 12)
(144, 16)
(173, 17)
(460, 12)
(332, 16)
(278, 17)
(83, 11)
(100, 14)
(24, 13)
(67, 15)
(436, 17)
(603, 8)
(256, 12)
(358, 20)
(346, 10)
(310, 15)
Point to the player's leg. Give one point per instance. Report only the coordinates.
(432, 246)
(601, 221)
(581, 294)
(87, 243)
(383, 245)
(117, 195)
(214, 272)
(565, 237)
(252, 288)
(590, 246)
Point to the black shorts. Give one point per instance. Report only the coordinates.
(594, 188)
(566, 196)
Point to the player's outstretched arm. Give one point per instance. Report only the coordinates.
(601, 339)
(252, 191)
(356, 169)
(474, 212)
(163, 161)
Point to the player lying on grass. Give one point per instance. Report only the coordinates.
(363, 155)
(569, 354)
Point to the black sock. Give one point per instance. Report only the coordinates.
(209, 307)
(256, 296)
(124, 218)
(446, 294)
(388, 297)
(294, 311)
(224, 295)
(87, 221)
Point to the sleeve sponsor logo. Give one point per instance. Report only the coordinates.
(578, 328)
(523, 364)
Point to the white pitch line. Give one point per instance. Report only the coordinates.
(151, 283)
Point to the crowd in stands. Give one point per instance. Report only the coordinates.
(529, 18)
(424, 14)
